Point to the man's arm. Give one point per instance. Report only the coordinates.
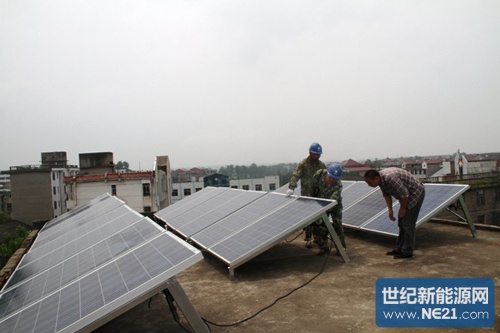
(403, 204)
(388, 201)
(296, 175)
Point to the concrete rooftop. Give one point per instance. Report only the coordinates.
(340, 299)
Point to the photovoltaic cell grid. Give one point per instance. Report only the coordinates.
(360, 212)
(251, 221)
(218, 210)
(354, 192)
(369, 211)
(263, 233)
(66, 290)
(76, 240)
(239, 219)
(56, 228)
(184, 205)
(437, 198)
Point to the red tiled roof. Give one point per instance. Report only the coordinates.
(434, 161)
(350, 163)
(109, 176)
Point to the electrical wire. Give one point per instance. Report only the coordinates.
(276, 300)
(170, 299)
(294, 238)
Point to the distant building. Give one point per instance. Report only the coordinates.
(37, 191)
(355, 167)
(5, 193)
(216, 180)
(267, 184)
(466, 164)
(427, 168)
(193, 174)
(96, 163)
(181, 190)
(146, 192)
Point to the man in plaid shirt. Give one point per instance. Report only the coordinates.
(410, 192)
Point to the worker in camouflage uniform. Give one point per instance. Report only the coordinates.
(305, 171)
(327, 185)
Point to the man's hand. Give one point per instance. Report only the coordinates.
(289, 192)
(391, 215)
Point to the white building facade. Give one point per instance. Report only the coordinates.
(145, 192)
(267, 184)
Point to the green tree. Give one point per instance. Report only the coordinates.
(122, 165)
(10, 244)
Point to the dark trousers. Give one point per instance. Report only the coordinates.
(406, 237)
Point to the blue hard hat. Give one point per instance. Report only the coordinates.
(315, 148)
(335, 171)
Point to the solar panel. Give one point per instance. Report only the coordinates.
(238, 225)
(100, 251)
(239, 219)
(54, 229)
(76, 240)
(264, 232)
(363, 210)
(72, 287)
(184, 205)
(354, 192)
(437, 198)
(221, 206)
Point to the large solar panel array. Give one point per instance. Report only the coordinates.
(236, 225)
(88, 265)
(365, 207)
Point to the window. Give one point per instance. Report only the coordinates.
(55, 204)
(175, 193)
(480, 197)
(258, 187)
(113, 189)
(187, 191)
(54, 190)
(246, 187)
(272, 187)
(145, 190)
(497, 193)
(147, 209)
(198, 189)
(234, 186)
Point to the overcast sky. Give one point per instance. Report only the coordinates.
(212, 83)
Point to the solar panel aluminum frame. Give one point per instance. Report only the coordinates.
(277, 238)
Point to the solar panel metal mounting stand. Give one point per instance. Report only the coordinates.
(467, 217)
(186, 306)
(335, 238)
